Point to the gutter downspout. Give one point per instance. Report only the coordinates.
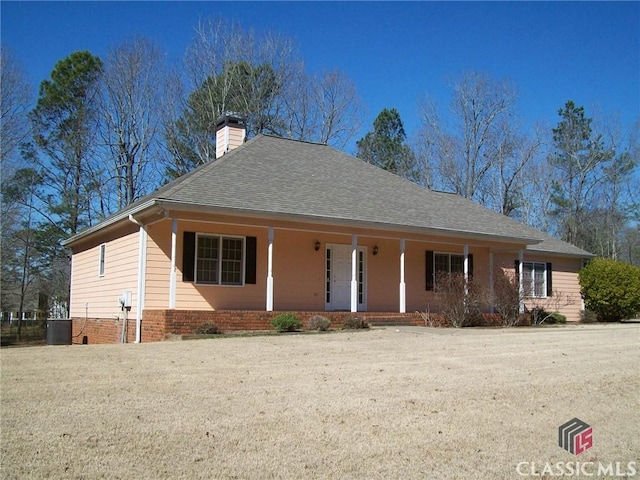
(142, 269)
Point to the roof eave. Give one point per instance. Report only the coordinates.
(109, 222)
(333, 221)
(562, 254)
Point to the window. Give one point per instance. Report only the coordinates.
(328, 275)
(103, 251)
(360, 277)
(219, 260)
(207, 259)
(446, 263)
(231, 265)
(534, 279)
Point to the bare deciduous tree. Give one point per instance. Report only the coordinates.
(629, 245)
(465, 153)
(324, 108)
(19, 250)
(131, 112)
(16, 96)
(229, 69)
(237, 69)
(616, 198)
(340, 109)
(261, 77)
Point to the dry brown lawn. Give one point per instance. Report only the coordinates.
(387, 403)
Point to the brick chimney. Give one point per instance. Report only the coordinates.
(231, 132)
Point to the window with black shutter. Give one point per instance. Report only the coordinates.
(219, 259)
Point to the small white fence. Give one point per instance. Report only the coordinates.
(58, 310)
(13, 317)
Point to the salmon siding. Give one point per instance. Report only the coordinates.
(299, 271)
(97, 295)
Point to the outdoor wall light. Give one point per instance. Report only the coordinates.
(375, 249)
(317, 245)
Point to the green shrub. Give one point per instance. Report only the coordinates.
(611, 289)
(286, 322)
(354, 323)
(208, 328)
(540, 316)
(587, 316)
(556, 317)
(318, 322)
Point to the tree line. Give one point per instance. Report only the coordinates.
(106, 131)
(576, 181)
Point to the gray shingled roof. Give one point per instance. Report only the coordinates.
(271, 176)
(559, 247)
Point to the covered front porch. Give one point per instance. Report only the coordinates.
(240, 272)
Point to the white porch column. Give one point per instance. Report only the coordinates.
(142, 283)
(354, 273)
(403, 287)
(491, 280)
(465, 268)
(521, 279)
(172, 277)
(270, 272)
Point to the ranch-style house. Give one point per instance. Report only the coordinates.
(277, 225)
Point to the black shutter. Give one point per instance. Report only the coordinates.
(251, 261)
(188, 256)
(470, 265)
(517, 265)
(549, 281)
(429, 270)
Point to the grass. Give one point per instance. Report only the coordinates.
(386, 403)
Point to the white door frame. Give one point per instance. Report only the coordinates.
(331, 250)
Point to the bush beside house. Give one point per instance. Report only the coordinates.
(286, 322)
(611, 289)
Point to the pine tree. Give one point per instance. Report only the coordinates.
(386, 145)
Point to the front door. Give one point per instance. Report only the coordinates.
(338, 274)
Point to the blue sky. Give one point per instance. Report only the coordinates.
(394, 52)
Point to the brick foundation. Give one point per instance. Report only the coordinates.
(101, 330)
(158, 324)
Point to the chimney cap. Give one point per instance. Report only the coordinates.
(231, 118)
